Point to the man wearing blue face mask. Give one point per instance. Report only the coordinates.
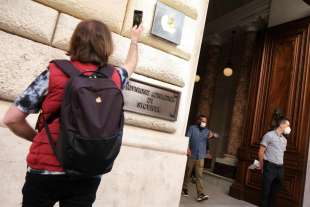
(198, 139)
(271, 154)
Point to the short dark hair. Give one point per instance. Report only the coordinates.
(199, 117)
(281, 120)
(91, 42)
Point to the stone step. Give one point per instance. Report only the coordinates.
(219, 183)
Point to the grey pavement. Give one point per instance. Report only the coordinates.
(217, 189)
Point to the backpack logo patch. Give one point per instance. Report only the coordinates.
(98, 99)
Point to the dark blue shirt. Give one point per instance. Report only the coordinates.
(198, 140)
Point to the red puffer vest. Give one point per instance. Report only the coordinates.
(41, 156)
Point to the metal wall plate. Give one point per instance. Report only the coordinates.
(146, 99)
(168, 23)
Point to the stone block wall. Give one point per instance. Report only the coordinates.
(152, 160)
(21, 60)
(28, 19)
(111, 12)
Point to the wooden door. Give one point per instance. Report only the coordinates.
(280, 79)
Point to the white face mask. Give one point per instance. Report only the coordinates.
(287, 130)
(203, 124)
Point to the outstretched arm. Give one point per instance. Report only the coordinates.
(132, 55)
(212, 135)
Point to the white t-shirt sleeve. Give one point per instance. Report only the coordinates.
(265, 141)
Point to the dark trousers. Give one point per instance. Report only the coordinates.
(46, 190)
(272, 183)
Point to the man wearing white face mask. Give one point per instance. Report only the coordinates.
(271, 155)
(198, 139)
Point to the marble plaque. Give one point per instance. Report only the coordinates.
(146, 99)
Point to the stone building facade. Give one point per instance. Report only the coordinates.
(149, 170)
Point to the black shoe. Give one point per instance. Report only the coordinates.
(202, 197)
(185, 192)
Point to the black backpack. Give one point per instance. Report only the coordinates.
(91, 121)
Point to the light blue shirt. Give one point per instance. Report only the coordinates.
(275, 147)
(198, 141)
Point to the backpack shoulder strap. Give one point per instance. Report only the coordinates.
(107, 70)
(67, 67)
(111, 72)
(116, 77)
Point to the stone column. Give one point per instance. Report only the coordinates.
(241, 97)
(208, 79)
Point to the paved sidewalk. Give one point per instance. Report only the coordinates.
(217, 190)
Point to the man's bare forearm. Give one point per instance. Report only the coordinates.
(261, 160)
(261, 155)
(23, 130)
